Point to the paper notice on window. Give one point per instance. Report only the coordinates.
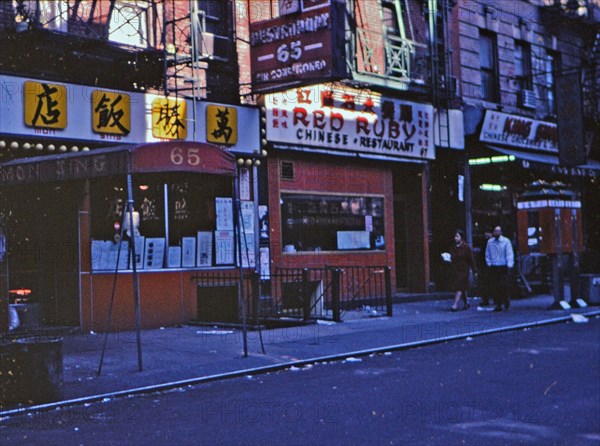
(244, 184)
(353, 240)
(188, 255)
(247, 215)
(224, 247)
(205, 248)
(369, 223)
(224, 209)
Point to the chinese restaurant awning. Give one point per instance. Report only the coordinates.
(172, 156)
(591, 168)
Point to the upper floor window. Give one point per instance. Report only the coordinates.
(390, 18)
(488, 59)
(551, 67)
(523, 65)
(128, 23)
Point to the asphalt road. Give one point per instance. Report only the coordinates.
(532, 387)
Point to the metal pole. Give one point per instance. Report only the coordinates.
(237, 226)
(136, 286)
(557, 285)
(575, 286)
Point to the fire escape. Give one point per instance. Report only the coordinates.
(111, 44)
(200, 60)
(583, 17)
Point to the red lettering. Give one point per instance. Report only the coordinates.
(362, 124)
(336, 121)
(381, 130)
(300, 116)
(319, 119)
(394, 131)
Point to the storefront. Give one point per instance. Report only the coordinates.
(64, 193)
(510, 153)
(67, 231)
(346, 183)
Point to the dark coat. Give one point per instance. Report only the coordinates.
(462, 261)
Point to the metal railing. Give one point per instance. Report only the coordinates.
(293, 293)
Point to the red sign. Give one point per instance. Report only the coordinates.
(292, 48)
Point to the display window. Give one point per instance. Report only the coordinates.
(174, 221)
(331, 222)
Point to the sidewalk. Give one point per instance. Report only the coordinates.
(191, 352)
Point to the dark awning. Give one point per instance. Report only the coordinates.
(590, 168)
(173, 156)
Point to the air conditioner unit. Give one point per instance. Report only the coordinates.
(214, 47)
(526, 98)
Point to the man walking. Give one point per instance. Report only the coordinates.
(499, 258)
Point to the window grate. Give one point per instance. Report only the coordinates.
(287, 170)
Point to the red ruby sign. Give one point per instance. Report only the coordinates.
(292, 48)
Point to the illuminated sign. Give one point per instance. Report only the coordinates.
(353, 120)
(519, 131)
(221, 124)
(45, 105)
(169, 117)
(111, 113)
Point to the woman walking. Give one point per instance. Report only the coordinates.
(462, 259)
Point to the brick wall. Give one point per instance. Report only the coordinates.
(510, 21)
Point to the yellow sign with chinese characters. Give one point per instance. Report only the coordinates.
(45, 105)
(169, 118)
(111, 112)
(221, 124)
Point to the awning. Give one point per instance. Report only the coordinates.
(590, 168)
(172, 156)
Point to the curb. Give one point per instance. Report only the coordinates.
(105, 397)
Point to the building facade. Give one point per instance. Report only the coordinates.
(528, 76)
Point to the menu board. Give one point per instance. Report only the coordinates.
(224, 247)
(205, 248)
(154, 253)
(188, 254)
(174, 257)
(224, 209)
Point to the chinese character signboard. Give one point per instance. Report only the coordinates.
(221, 124)
(169, 118)
(519, 131)
(294, 49)
(350, 120)
(45, 105)
(111, 113)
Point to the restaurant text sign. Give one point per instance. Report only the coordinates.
(351, 120)
(292, 48)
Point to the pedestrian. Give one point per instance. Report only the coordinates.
(483, 272)
(500, 259)
(462, 260)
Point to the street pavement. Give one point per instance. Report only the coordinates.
(538, 388)
(175, 356)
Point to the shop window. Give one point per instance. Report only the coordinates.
(488, 58)
(174, 218)
(331, 223)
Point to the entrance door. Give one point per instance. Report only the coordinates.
(400, 248)
(43, 243)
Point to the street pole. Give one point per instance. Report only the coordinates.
(136, 286)
(557, 283)
(238, 227)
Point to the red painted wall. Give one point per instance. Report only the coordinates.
(337, 176)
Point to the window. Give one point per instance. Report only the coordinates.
(390, 18)
(488, 58)
(128, 23)
(523, 65)
(185, 234)
(551, 67)
(331, 223)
